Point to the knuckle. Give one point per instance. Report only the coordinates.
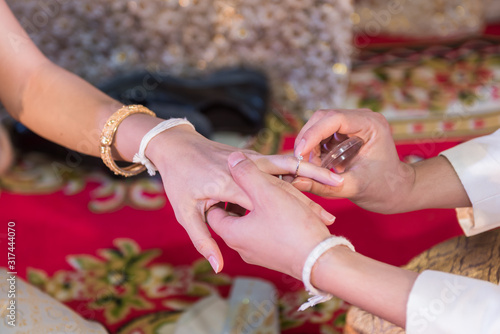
(338, 116)
(246, 166)
(318, 114)
(379, 117)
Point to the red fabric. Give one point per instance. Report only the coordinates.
(52, 226)
(363, 40)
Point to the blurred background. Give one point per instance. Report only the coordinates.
(248, 73)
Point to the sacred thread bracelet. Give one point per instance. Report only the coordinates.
(317, 295)
(140, 157)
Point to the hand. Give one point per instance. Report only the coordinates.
(375, 179)
(281, 229)
(196, 176)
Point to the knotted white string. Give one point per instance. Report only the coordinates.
(140, 157)
(317, 295)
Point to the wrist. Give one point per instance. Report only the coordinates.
(330, 267)
(402, 187)
(130, 133)
(167, 145)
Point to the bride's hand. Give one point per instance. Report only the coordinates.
(279, 232)
(196, 176)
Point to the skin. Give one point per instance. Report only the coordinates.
(431, 183)
(65, 109)
(281, 225)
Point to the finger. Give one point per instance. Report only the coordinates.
(222, 188)
(299, 143)
(236, 196)
(221, 222)
(326, 217)
(360, 122)
(319, 131)
(287, 164)
(314, 187)
(254, 182)
(248, 176)
(203, 242)
(346, 190)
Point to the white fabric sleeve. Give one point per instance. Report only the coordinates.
(477, 163)
(445, 303)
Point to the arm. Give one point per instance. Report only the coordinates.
(282, 226)
(53, 102)
(65, 109)
(432, 183)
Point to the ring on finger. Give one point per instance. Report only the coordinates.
(299, 160)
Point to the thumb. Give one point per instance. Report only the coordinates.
(221, 222)
(344, 190)
(248, 176)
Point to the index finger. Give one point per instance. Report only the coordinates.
(357, 122)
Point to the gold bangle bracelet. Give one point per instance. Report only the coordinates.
(108, 135)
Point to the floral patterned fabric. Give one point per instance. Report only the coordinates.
(112, 251)
(439, 91)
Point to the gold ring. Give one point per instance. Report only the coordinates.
(299, 160)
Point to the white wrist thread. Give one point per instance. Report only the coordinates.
(317, 295)
(140, 157)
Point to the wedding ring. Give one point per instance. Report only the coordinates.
(299, 160)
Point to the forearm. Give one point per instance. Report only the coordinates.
(55, 103)
(374, 286)
(435, 185)
(65, 109)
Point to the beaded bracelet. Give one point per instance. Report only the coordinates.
(108, 135)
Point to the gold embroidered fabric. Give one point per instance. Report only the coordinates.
(477, 257)
(421, 19)
(38, 313)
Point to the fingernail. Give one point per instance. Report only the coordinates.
(336, 177)
(328, 216)
(300, 147)
(214, 263)
(235, 158)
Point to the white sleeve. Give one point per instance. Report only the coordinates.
(446, 303)
(477, 163)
